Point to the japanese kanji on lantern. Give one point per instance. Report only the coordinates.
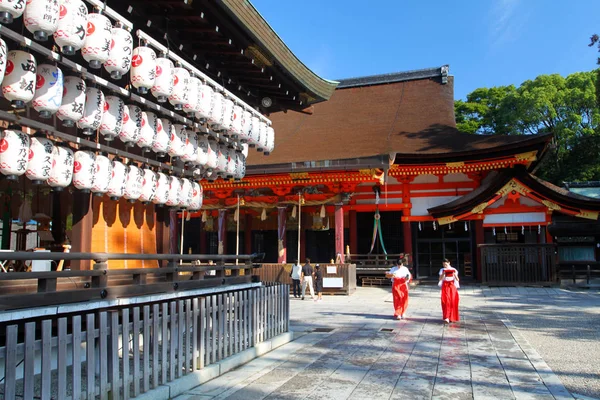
(191, 148)
(160, 144)
(92, 111)
(161, 194)
(41, 18)
(61, 173)
(147, 130)
(246, 126)
(149, 186)
(112, 118)
(143, 69)
(133, 182)
(174, 191)
(178, 97)
(96, 47)
(178, 141)
(216, 113)
(11, 9)
(239, 159)
(190, 107)
(102, 174)
(72, 22)
(132, 125)
(121, 51)
(163, 84)
(204, 102)
(73, 101)
(225, 123)
(185, 193)
(18, 85)
(262, 134)
(49, 90)
(197, 197)
(254, 136)
(116, 187)
(230, 168)
(41, 153)
(213, 155)
(202, 153)
(236, 121)
(270, 142)
(14, 153)
(84, 167)
(221, 168)
(3, 51)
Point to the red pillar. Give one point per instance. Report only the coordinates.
(479, 239)
(248, 234)
(353, 232)
(407, 236)
(339, 231)
(281, 235)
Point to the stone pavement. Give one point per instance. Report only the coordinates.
(349, 347)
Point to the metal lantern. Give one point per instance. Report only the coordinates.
(73, 101)
(48, 90)
(83, 170)
(133, 183)
(202, 153)
(216, 112)
(161, 194)
(3, 60)
(41, 18)
(14, 153)
(178, 97)
(149, 181)
(174, 191)
(191, 105)
(205, 97)
(72, 23)
(185, 193)
(121, 51)
(197, 197)
(270, 142)
(96, 48)
(116, 188)
(178, 141)
(160, 145)
(163, 84)
(147, 131)
(191, 148)
(132, 125)
(112, 119)
(92, 111)
(213, 155)
(227, 117)
(236, 121)
(41, 153)
(221, 159)
(102, 174)
(11, 9)
(254, 136)
(61, 173)
(18, 85)
(143, 69)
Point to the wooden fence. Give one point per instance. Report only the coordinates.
(509, 264)
(123, 352)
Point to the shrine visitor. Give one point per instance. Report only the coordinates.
(449, 283)
(306, 278)
(318, 282)
(295, 275)
(400, 276)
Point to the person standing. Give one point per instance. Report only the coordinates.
(450, 298)
(295, 275)
(319, 282)
(400, 276)
(306, 278)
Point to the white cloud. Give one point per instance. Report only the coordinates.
(506, 21)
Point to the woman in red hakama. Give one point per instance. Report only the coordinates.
(450, 298)
(400, 276)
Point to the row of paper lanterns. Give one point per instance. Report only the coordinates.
(43, 161)
(102, 44)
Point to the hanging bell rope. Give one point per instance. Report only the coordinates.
(204, 216)
(263, 215)
(294, 212)
(323, 212)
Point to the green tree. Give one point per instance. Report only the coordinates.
(566, 107)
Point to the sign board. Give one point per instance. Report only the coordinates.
(332, 269)
(333, 282)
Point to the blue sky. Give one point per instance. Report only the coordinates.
(486, 42)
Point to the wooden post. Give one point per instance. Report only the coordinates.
(479, 239)
(281, 229)
(83, 222)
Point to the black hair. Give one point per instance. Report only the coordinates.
(446, 260)
(308, 260)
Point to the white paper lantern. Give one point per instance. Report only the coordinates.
(18, 85)
(149, 182)
(163, 84)
(116, 188)
(14, 153)
(231, 157)
(102, 174)
(191, 105)
(202, 153)
(133, 183)
(262, 138)
(174, 191)
(178, 140)
(41, 153)
(216, 112)
(178, 97)
(245, 150)
(132, 125)
(143, 69)
(161, 194)
(185, 193)
(197, 197)
(246, 126)
(147, 131)
(236, 121)
(84, 167)
(41, 18)
(160, 145)
(92, 111)
(73, 101)
(241, 167)
(112, 118)
(270, 141)
(119, 56)
(61, 173)
(254, 137)
(204, 102)
(3, 59)
(213, 155)
(11, 9)
(48, 90)
(238, 158)
(72, 23)
(227, 117)
(191, 148)
(221, 159)
(96, 47)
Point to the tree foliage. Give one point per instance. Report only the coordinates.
(566, 107)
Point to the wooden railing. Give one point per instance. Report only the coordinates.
(123, 352)
(373, 263)
(580, 270)
(509, 264)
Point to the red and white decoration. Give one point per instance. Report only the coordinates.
(116, 187)
(178, 140)
(245, 150)
(132, 125)
(197, 197)
(178, 97)
(18, 85)
(160, 145)
(92, 111)
(102, 174)
(221, 159)
(11, 9)
(61, 173)
(14, 153)
(48, 90)
(186, 193)
(96, 48)
(112, 118)
(216, 112)
(83, 170)
(246, 126)
(163, 84)
(147, 131)
(213, 155)
(73, 101)
(270, 141)
(41, 18)
(41, 153)
(149, 182)
(230, 169)
(262, 134)
(143, 69)
(161, 194)
(133, 183)
(202, 153)
(191, 148)
(3, 60)
(204, 101)
(254, 137)
(121, 51)
(191, 105)
(72, 23)
(235, 130)
(174, 191)
(240, 171)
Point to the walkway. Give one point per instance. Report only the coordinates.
(351, 348)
